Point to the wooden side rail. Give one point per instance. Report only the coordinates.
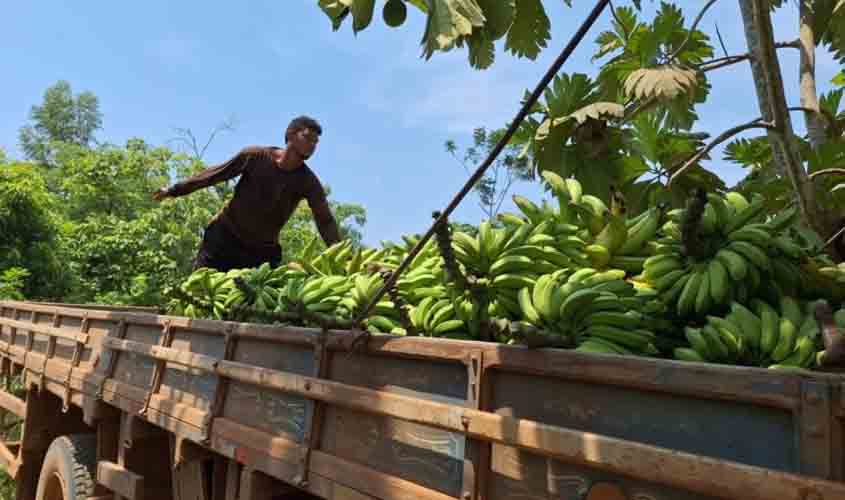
(45, 330)
(704, 475)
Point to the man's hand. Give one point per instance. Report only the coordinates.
(161, 194)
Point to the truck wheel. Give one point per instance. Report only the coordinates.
(69, 468)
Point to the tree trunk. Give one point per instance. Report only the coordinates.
(765, 69)
(809, 98)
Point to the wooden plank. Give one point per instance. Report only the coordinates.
(185, 358)
(44, 329)
(674, 468)
(735, 383)
(13, 404)
(218, 478)
(370, 481)
(119, 480)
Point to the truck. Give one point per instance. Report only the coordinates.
(127, 403)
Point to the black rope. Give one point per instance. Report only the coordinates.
(494, 153)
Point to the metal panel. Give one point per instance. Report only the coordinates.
(519, 475)
(721, 429)
(133, 368)
(430, 457)
(272, 411)
(191, 386)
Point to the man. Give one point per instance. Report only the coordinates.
(245, 233)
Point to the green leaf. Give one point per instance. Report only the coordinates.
(531, 29)
(449, 21)
(362, 14)
(839, 79)
(499, 15)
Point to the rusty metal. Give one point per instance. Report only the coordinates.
(494, 153)
(155, 383)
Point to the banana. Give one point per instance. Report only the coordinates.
(720, 209)
(699, 343)
(719, 287)
(687, 354)
(703, 301)
(630, 264)
(614, 234)
(510, 219)
(750, 325)
(786, 341)
(751, 253)
(756, 234)
(448, 326)
(604, 277)
(687, 299)
(576, 300)
(790, 309)
(516, 281)
(740, 219)
(659, 265)
(716, 343)
(512, 264)
(599, 255)
(642, 231)
(709, 221)
(735, 263)
(736, 201)
(528, 208)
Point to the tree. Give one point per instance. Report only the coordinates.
(633, 124)
(61, 118)
(29, 233)
(507, 169)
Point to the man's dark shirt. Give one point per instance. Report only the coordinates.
(265, 197)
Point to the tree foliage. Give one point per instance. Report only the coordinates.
(61, 118)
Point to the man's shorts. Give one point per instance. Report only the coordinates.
(223, 251)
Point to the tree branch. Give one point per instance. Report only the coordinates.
(807, 69)
(721, 62)
(765, 68)
(827, 171)
(692, 30)
(758, 123)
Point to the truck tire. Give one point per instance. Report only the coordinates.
(69, 467)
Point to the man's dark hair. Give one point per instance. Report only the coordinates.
(302, 122)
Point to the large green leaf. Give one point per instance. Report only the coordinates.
(531, 29)
(661, 82)
(499, 15)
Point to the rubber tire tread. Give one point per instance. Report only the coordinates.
(78, 453)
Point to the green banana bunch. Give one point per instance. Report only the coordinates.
(759, 335)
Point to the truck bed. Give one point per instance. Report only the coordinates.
(419, 418)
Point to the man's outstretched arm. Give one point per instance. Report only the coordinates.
(326, 223)
(210, 176)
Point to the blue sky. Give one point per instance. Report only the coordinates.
(157, 65)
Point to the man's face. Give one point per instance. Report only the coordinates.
(304, 141)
